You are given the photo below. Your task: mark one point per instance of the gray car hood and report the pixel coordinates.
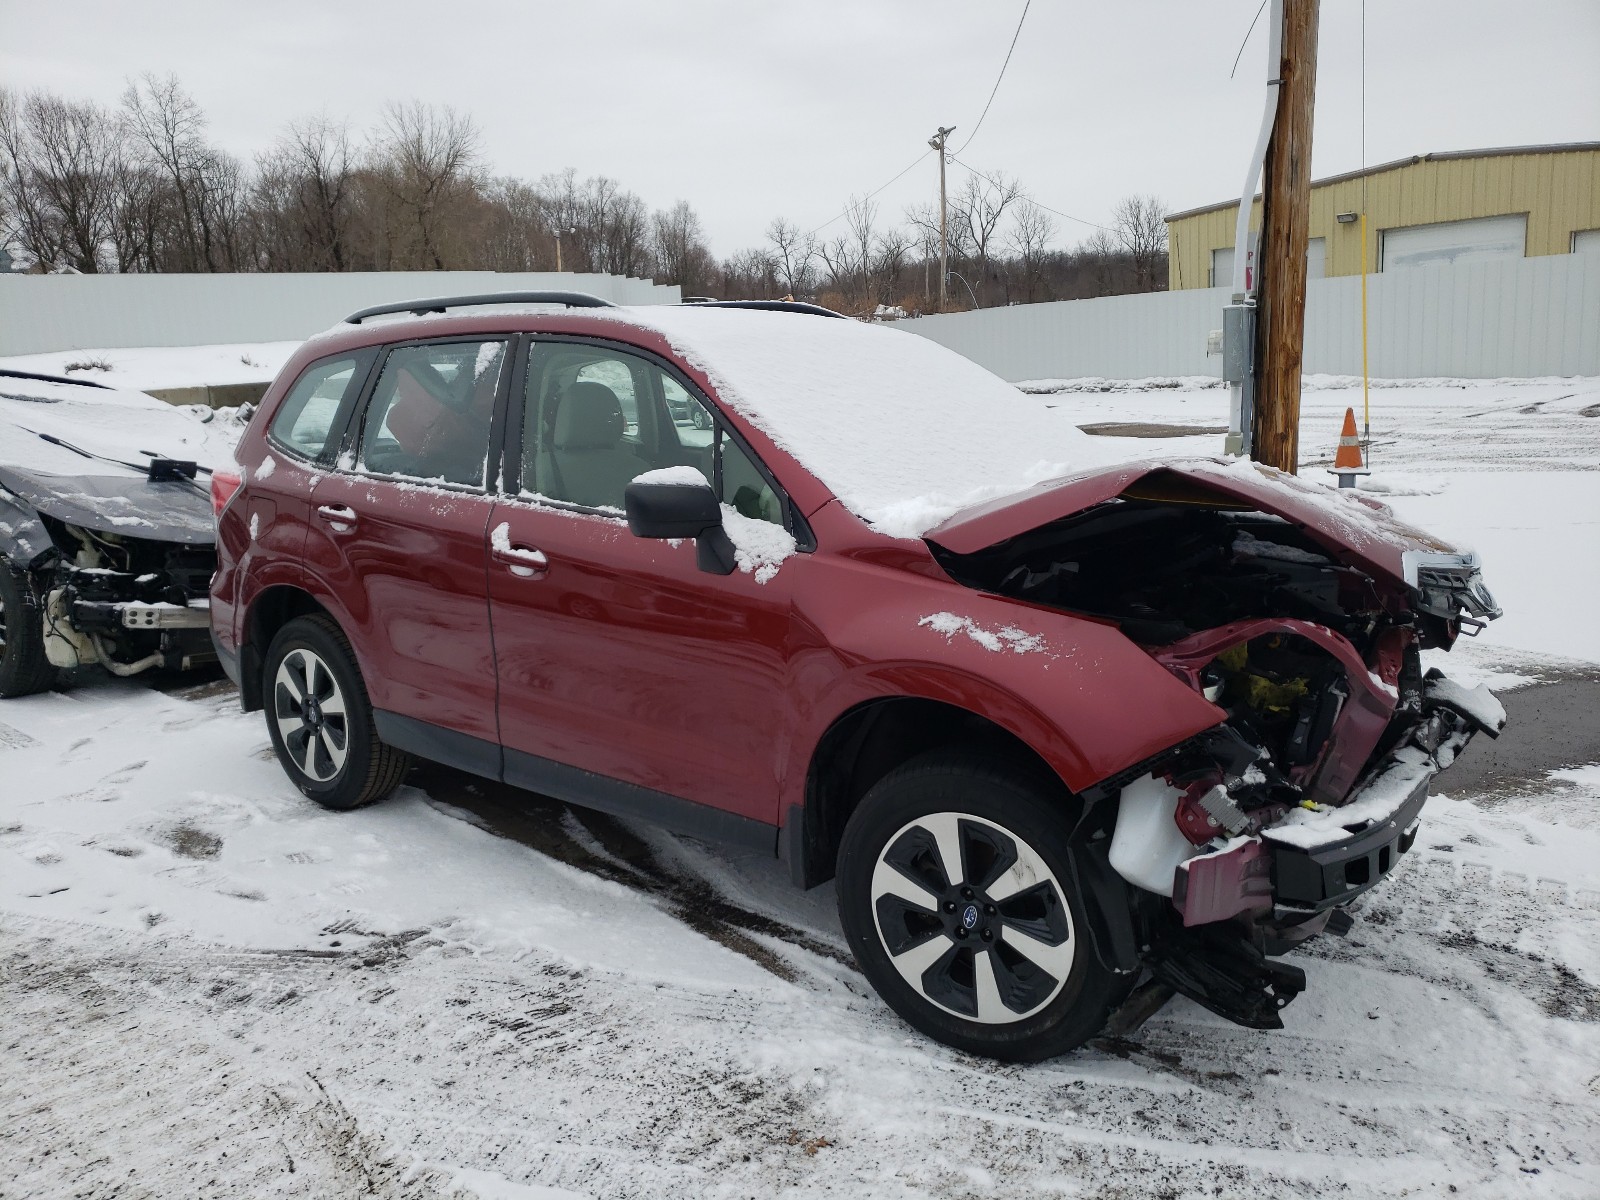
(83, 482)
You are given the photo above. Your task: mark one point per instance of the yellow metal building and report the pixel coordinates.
(1453, 207)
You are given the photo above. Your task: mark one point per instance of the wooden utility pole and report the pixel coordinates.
(937, 141)
(1281, 260)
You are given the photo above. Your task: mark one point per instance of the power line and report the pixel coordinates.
(871, 194)
(1247, 34)
(996, 88)
(1030, 199)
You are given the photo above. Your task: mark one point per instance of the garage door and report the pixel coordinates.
(1222, 262)
(1454, 242)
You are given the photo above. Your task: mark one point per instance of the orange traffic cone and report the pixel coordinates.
(1347, 459)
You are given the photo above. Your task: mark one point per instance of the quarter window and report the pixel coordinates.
(430, 412)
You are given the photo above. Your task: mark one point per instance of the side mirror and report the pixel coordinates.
(677, 502)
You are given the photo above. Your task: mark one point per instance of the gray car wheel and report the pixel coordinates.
(24, 669)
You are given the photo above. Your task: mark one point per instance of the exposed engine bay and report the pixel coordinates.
(1257, 831)
(124, 603)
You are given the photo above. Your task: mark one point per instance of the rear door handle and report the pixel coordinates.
(341, 516)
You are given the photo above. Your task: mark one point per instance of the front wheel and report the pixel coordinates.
(953, 892)
(24, 668)
(320, 720)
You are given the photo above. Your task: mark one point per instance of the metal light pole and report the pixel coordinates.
(937, 141)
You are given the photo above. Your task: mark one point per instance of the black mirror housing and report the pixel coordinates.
(671, 510)
(681, 510)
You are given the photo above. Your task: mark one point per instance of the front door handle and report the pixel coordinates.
(522, 560)
(341, 516)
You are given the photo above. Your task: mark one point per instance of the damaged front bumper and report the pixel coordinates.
(1313, 861)
(1241, 899)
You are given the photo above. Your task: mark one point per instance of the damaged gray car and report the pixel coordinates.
(107, 539)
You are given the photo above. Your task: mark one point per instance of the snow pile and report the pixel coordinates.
(1477, 704)
(1410, 769)
(1008, 637)
(142, 367)
(903, 431)
(676, 476)
(1095, 383)
(758, 546)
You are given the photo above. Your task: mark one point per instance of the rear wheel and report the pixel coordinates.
(320, 720)
(24, 669)
(953, 891)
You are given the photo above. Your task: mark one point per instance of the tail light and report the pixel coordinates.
(223, 485)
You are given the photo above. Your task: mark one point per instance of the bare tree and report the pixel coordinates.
(1031, 232)
(312, 170)
(890, 250)
(166, 129)
(1101, 252)
(750, 275)
(976, 210)
(60, 169)
(1141, 226)
(681, 255)
(425, 157)
(793, 255)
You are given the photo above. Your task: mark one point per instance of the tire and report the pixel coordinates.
(930, 947)
(329, 748)
(24, 669)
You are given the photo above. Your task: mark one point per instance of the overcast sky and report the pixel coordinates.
(752, 110)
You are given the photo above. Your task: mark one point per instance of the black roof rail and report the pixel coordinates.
(7, 371)
(419, 308)
(792, 306)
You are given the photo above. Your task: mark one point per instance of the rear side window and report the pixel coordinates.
(309, 417)
(430, 411)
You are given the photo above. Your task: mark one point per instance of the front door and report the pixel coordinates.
(616, 655)
(398, 541)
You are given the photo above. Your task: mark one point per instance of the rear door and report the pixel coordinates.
(398, 544)
(618, 659)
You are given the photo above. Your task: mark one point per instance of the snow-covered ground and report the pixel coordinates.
(143, 367)
(212, 987)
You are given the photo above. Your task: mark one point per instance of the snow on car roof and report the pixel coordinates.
(903, 431)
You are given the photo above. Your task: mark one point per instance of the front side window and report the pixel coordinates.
(430, 412)
(596, 418)
(308, 417)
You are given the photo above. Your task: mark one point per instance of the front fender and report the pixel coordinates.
(1084, 697)
(23, 538)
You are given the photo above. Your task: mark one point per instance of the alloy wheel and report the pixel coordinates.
(309, 708)
(972, 918)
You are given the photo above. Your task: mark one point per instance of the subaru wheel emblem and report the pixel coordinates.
(969, 917)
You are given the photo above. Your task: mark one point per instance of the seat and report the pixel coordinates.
(439, 441)
(588, 464)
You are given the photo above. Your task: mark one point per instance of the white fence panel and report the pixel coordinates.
(1512, 318)
(76, 312)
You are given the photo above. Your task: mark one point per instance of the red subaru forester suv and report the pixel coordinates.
(767, 576)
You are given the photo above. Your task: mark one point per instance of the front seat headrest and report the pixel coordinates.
(589, 418)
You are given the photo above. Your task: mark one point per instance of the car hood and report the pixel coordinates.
(79, 453)
(128, 505)
(1356, 528)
